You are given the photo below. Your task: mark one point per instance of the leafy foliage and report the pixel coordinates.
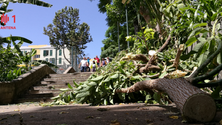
(10, 57)
(116, 18)
(34, 2)
(100, 87)
(66, 31)
(187, 22)
(195, 23)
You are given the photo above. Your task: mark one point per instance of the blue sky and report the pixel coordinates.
(30, 20)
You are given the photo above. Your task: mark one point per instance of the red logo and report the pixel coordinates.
(5, 19)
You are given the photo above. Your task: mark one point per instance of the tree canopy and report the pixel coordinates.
(116, 17)
(66, 30)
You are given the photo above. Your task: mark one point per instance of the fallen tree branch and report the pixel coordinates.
(179, 51)
(139, 57)
(141, 65)
(191, 101)
(165, 44)
(210, 84)
(150, 68)
(146, 68)
(153, 76)
(219, 49)
(207, 75)
(134, 62)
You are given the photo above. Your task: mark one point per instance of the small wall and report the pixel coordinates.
(69, 70)
(12, 89)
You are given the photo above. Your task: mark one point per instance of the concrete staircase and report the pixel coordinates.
(50, 87)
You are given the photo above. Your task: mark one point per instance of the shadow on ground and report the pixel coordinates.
(123, 114)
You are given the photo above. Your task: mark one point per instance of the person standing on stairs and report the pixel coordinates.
(97, 59)
(83, 64)
(88, 69)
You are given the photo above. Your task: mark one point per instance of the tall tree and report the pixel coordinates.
(66, 31)
(116, 16)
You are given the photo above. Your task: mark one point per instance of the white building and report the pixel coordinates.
(48, 53)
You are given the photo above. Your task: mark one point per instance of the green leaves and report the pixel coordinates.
(11, 58)
(199, 25)
(216, 92)
(101, 87)
(115, 76)
(67, 31)
(97, 79)
(34, 2)
(191, 41)
(83, 94)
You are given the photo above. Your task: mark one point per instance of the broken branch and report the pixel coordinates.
(208, 75)
(207, 61)
(179, 51)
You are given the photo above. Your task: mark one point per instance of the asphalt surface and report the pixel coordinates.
(121, 114)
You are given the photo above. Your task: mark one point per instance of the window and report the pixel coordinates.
(25, 52)
(50, 52)
(60, 52)
(52, 60)
(37, 56)
(46, 59)
(45, 53)
(60, 60)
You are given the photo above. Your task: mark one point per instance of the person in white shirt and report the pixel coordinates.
(107, 60)
(83, 64)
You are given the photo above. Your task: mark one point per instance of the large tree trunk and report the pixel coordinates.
(193, 103)
(65, 55)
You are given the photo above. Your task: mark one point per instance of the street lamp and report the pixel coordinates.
(118, 35)
(56, 57)
(127, 29)
(74, 62)
(75, 59)
(72, 55)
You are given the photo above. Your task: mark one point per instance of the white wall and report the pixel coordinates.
(42, 57)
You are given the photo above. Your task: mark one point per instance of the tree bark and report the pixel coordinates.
(194, 104)
(65, 55)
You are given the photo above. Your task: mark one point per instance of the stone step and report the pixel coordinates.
(48, 87)
(42, 95)
(59, 84)
(62, 82)
(64, 79)
(23, 100)
(87, 74)
(45, 83)
(43, 91)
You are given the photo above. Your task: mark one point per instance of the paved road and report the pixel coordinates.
(122, 114)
